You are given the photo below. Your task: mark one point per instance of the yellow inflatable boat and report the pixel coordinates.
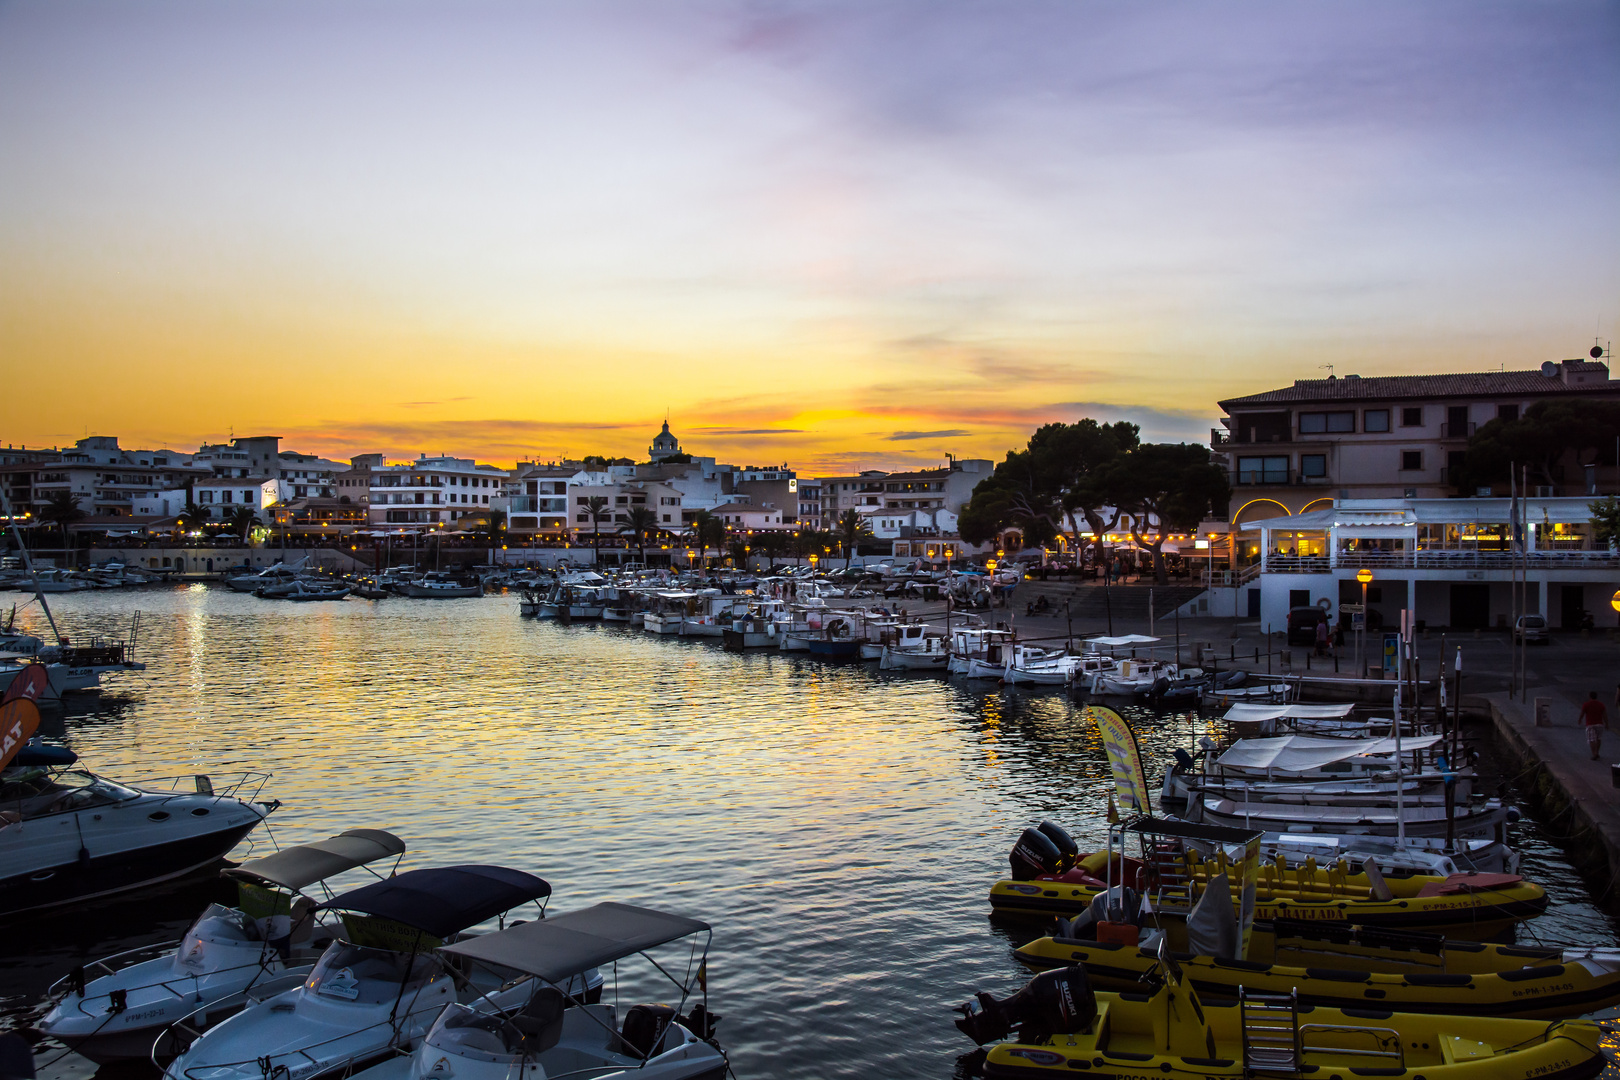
(1065, 1029)
(1347, 967)
(1048, 881)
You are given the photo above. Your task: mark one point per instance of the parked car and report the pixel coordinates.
(1531, 629)
(1302, 623)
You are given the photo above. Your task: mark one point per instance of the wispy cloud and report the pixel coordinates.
(749, 431)
(942, 433)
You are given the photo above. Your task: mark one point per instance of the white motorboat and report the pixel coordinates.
(438, 586)
(914, 647)
(1395, 858)
(1133, 677)
(1480, 820)
(979, 653)
(303, 592)
(279, 574)
(115, 1008)
(1031, 665)
(68, 835)
(377, 991)
(550, 1033)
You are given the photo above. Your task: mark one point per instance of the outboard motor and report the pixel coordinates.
(1184, 761)
(1156, 691)
(1063, 842)
(1045, 849)
(1056, 1002)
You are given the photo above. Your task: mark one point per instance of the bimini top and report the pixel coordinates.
(556, 948)
(1259, 714)
(1192, 830)
(443, 899)
(1124, 639)
(1302, 753)
(308, 863)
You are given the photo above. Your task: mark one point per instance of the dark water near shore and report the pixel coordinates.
(838, 827)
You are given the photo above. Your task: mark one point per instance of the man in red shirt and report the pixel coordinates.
(1596, 718)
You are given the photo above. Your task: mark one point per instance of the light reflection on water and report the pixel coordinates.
(838, 827)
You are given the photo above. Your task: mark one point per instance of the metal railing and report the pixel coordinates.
(1441, 559)
(1456, 431)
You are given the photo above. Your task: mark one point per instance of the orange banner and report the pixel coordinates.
(19, 719)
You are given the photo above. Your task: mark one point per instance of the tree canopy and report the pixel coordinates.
(1058, 481)
(1163, 488)
(1546, 437)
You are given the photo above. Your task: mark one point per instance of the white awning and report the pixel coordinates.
(1302, 753)
(1260, 714)
(1128, 639)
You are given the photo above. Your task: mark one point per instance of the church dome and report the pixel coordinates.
(663, 445)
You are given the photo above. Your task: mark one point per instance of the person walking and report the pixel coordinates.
(1595, 718)
(1322, 637)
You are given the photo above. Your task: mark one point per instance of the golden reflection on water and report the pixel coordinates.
(838, 827)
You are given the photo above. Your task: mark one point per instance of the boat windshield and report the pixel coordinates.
(370, 976)
(468, 1033)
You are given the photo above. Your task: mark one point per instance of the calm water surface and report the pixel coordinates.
(838, 827)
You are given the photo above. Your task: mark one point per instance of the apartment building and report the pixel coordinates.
(1301, 447)
(353, 485)
(433, 491)
(541, 502)
(108, 480)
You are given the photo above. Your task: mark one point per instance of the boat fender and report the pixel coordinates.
(1033, 855)
(1057, 1002)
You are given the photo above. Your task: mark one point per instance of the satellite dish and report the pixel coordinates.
(1549, 369)
(1597, 351)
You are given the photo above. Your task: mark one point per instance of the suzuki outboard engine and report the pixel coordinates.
(1056, 1002)
(1046, 849)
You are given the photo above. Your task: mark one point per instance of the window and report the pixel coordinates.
(1318, 423)
(1412, 416)
(1262, 470)
(584, 517)
(1508, 413)
(1411, 460)
(1313, 465)
(1375, 420)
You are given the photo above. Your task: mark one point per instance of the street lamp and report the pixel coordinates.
(1364, 576)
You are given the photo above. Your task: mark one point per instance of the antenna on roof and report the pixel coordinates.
(1329, 369)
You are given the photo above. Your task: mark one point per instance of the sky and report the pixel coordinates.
(838, 235)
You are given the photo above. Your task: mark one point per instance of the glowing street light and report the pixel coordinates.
(1364, 576)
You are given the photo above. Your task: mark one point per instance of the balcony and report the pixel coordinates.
(1219, 437)
(1457, 431)
(1441, 559)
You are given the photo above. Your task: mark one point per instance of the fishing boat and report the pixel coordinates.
(115, 1008)
(304, 592)
(667, 611)
(835, 640)
(914, 647)
(437, 586)
(1065, 1028)
(549, 1032)
(378, 989)
(1031, 665)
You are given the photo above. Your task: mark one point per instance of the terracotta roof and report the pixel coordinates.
(1469, 384)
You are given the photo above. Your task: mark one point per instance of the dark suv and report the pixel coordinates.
(1302, 623)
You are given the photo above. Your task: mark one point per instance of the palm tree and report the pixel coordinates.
(242, 520)
(494, 525)
(852, 529)
(62, 510)
(192, 516)
(700, 529)
(642, 525)
(597, 507)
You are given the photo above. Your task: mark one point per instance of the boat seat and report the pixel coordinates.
(539, 1024)
(644, 1028)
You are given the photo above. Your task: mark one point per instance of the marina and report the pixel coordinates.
(778, 797)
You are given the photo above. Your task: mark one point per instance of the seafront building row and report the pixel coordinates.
(1329, 477)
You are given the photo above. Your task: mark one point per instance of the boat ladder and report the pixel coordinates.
(1169, 875)
(1270, 1025)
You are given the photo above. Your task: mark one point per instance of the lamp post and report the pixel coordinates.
(1363, 575)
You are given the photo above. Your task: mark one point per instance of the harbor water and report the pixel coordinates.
(838, 827)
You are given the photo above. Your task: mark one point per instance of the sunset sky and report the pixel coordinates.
(837, 235)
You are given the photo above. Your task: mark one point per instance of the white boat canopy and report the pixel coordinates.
(557, 948)
(1302, 753)
(308, 863)
(1261, 714)
(1126, 639)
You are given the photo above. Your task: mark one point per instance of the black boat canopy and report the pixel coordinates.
(308, 863)
(557, 948)
(1189, 830)
(441, 900)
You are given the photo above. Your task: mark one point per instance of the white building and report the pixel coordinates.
(437, 490)
(110, 482)
(745, 517)
(1448, 559)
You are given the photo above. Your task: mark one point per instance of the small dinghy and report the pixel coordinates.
(115, 1008)
(378, 989)
(551, 1032)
